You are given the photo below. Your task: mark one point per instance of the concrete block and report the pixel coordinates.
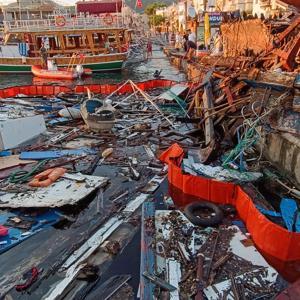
(14, 132)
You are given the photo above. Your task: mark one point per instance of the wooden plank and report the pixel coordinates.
(229, 97)
(208, 106)
(12, 161)
(147, 253)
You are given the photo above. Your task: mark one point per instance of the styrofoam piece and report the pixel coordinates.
(70, 112)
(14, 132)
(249, 253)
(177, 89)
(62, 192)
(174, 277)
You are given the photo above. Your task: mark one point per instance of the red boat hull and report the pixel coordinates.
(61, 73)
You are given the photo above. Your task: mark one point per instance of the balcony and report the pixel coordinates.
(63, 22)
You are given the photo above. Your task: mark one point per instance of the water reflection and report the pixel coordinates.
(136, 72)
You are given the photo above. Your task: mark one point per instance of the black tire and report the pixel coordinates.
(191, 209)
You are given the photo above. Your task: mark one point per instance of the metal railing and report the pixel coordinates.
(65, 23)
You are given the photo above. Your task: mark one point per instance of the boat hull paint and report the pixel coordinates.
(95, 67)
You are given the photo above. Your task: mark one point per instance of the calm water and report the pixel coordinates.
(137, 72)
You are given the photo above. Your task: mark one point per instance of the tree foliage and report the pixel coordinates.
(151, 8)
(158, 20)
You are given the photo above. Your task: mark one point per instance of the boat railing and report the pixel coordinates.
(63, 23)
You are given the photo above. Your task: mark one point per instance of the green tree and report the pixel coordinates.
(151, 8)
(155, 20)
(158, 20)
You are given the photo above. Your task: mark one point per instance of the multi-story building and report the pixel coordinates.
(258, 7)
(268, 7)
(29, 9)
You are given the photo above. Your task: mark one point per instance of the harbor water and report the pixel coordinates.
(136, 72)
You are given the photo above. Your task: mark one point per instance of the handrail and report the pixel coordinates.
(77, 22)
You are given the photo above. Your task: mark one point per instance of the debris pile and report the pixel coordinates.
(211, 263)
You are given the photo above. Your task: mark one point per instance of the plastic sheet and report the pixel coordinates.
(269, 237)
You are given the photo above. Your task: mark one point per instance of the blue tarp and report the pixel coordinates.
(288, 212)
(16, 235)
(58, 120)
(266, 212)
(40, 155)
(5, 153)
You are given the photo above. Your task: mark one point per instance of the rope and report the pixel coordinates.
(22, 176)
(250, 137)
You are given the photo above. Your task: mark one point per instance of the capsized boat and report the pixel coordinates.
(98, 115)
(60, 73)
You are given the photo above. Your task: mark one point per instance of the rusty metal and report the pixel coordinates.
(234, 288)
(221, 261)
(208, 270)
(199, 277)
(159, 282)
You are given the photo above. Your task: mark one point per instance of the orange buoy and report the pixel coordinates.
(47, 177)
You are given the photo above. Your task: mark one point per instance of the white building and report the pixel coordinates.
(30, 9)
(258, 7)
(268, 7)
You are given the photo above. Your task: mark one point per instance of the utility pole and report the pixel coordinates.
(185, 14)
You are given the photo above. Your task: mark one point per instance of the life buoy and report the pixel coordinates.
(47, 177)
(60, 21)
(108, 19)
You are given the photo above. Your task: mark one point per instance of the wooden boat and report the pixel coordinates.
(104, 44)
(295, 3)
(60, 73)
(98, 115)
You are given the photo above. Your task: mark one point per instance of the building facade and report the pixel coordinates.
(30, 9)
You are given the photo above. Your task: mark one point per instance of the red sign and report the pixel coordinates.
(139, 3)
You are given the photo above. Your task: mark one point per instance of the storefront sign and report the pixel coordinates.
(215, 18)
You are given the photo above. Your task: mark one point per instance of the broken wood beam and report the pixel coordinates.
(208, 104)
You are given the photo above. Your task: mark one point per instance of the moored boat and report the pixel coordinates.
(104, 44)
(59, 73)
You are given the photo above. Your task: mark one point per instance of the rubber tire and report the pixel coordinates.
(190, 210)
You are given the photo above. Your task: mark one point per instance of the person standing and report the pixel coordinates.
(192, 36)
(185, 40)
(149, 49)
(217, 40)
(178, 41)
(44, 56)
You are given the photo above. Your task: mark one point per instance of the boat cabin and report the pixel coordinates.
(66, 37)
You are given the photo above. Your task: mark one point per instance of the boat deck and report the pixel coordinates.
(63, 23)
